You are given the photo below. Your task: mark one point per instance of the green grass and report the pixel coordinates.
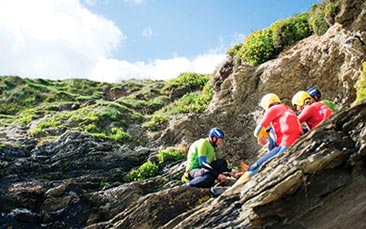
(95, 119)
(193, 102)
(152, 169)
(186, 81)
(103, 110)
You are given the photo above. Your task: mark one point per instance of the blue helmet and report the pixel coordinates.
(216, 132)
(314, 92)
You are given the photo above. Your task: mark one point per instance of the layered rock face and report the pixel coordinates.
(75, 181)
(319, 183)
(332, 63)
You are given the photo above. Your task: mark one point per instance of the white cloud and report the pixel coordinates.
(56, 39)
(112, 70)
(147, 32)
(52, 38)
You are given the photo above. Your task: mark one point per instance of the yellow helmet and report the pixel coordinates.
(300, 98)
(269, 99)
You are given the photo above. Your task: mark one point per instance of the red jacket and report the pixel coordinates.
(314, 114)
(285, 124)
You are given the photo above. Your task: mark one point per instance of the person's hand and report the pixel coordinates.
(262, 141)
(234, 172)
(221, 177)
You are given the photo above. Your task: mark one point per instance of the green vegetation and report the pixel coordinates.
(95, 119)
(234, 50)
(361, 86)
(322, 15)
(169, 155)
(258, 47)
(189, 92)
(185, 82)
(103, 110)
(288, 31)
(104, 184)
(263, 45)
(146, 170)
(145, 98)
(266, 44)
(18, 94)
(151, 169)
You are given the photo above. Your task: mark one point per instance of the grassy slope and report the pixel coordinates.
(105, 110)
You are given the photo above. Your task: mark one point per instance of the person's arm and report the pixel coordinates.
(202, 158)
(260, 131)
(305, 114)
(203, 163)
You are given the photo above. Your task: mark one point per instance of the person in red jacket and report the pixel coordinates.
(285, 125)
(311, 113)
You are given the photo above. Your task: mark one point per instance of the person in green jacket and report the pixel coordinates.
(316, 95)
(203, 168)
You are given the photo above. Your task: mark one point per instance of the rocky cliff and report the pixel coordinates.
(75, 181)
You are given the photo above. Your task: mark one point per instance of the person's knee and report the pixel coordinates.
(253, 167)
(204, 181)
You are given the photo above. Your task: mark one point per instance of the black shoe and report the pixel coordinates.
(216, 191)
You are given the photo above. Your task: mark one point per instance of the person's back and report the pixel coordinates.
(284, 122)
(316, 95)
(314, 114)
(285, 125)
(330, 104)
(201, 147)
(203, 168)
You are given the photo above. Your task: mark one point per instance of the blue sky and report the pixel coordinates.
(113, 40)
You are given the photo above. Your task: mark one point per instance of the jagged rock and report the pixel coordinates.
(75, 181)
(56, 191)
(156, 209)
(16, 136)
(51, 181)
(56, 203)
(223, 72)
(332, 63)
(317, 183)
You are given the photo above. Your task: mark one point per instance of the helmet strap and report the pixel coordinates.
(212, 141)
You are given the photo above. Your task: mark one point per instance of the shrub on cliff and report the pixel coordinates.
(151, 168)
(322, 15)
(258, 47)
(361, 86)
(266, 44)
(288, 31)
